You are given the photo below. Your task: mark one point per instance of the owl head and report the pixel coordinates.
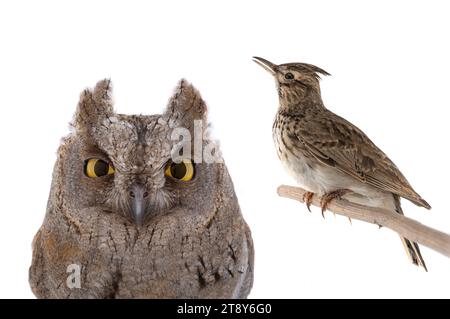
(135, 166)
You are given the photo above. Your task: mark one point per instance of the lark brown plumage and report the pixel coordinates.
(327, 154)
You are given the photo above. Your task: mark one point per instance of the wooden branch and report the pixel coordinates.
(404, 226)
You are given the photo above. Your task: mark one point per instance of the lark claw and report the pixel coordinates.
(350, 220)
(327, 198)
(307, 198)
(324, 203)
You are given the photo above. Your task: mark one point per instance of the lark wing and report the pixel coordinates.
(338, 143)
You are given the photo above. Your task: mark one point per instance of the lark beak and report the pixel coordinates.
(267, 65)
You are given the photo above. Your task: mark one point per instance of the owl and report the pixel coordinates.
(132, 214)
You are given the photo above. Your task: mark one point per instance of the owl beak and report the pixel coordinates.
(267, 65)
(139, 203)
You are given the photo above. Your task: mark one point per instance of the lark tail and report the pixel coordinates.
(411, 248)
(413, 252)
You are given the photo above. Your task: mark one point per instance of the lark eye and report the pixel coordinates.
(289, 76)
(183, 171)
(95, 167)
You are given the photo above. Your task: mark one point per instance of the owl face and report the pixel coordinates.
(125, 163)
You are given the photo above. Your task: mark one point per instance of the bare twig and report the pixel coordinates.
(404, 226)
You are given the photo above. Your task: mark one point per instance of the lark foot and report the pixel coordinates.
(327, 198)
(307, 198)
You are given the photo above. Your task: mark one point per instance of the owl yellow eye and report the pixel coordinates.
(95, 167)
(183, 171)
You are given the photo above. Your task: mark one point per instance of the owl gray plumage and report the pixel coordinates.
(136, 232)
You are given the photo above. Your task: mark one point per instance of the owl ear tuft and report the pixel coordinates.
(185, 106)
(94, 106)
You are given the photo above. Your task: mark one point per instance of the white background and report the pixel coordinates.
(390, 67)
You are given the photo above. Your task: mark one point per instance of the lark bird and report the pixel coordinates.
(328, 155)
